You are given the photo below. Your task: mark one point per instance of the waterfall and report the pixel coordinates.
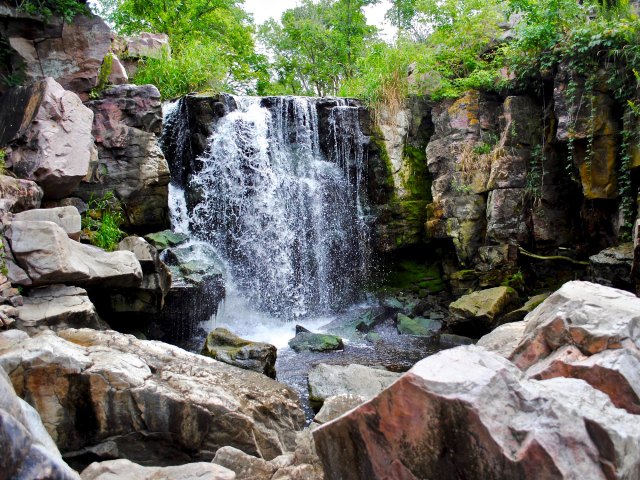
(280, 193)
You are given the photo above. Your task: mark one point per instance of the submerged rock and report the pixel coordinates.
(226, 347)
(420, 326)
(315, 342)
(327, 381)
(469, 413)
(148, 402)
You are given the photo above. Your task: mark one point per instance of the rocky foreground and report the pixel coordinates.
(555, 396)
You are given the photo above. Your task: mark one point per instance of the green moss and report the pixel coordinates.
(413, 275)
(377, 140)
(418, 183)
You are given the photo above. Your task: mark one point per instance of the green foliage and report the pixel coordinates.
(211, 42)
(101, 222)
(103, 77)
(515, 281)
(317, 45)
(193, 68)
(3, 159)
(3, 263)
(67, 9)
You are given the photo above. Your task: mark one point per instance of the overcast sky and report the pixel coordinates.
(264, 9)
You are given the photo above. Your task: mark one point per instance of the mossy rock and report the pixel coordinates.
(419, 326)
(315, 342)
(224, 346)
(528, 307)
(486, 306)
(166, 239)
(409, 275)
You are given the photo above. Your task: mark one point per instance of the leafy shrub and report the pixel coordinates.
(101, 222)
(67, 9)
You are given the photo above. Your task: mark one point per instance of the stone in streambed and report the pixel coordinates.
(224, 346)
(306, 341)
(338, 405)
(166, 239)
(419, 326)
(326, 381)
(485, 306)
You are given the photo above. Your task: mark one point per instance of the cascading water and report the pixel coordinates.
(286, 214)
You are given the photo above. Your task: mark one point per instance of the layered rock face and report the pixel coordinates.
(565, 406)
(129, 163)
(110, 395)
(69, 52)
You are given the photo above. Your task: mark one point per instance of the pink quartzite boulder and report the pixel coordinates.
(469, 413)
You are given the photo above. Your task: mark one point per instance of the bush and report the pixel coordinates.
(195, 67)
(67, 9)
(101, 222)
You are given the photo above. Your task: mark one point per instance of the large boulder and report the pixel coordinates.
(125, 470)
(57, 307)
(50, 136)
(110, 395)
(68, 218)
(28, 452)
(130, 164)
(327, 381)
(46, 253)
(469, 413)
(612, 267)
(226, 347)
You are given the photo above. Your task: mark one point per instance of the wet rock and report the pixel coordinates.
(417, 326)
(118, 75)
(57, 307)
(330, 380)
(315, 342)
(46, 253)
(612, 267)
(450, 340)
(130, 163)
(192, 298)
(399, 225)
(486, 306)
(470, 413)
(126, 470)
(166, 239)
(52, 142)
(17, 195)
(506, 216)
(224, 346)
(334, 407)
(151, 403)
(28, 452)
(67, 218)
(245, 467)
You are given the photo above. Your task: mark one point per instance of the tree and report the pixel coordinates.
(317, 45)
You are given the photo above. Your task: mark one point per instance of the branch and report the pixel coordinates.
(553, 257)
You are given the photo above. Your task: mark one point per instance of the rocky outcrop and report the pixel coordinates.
(28, 452)
(126, 470)
(133, 49)
(111, 395)
(130, 163)
(470, 413)
(57, 307)
(49, 135)
(69, 52)
(327, 381)
(46, 253)
(224, 346)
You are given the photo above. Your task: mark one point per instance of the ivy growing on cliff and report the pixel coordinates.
(67, 9)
